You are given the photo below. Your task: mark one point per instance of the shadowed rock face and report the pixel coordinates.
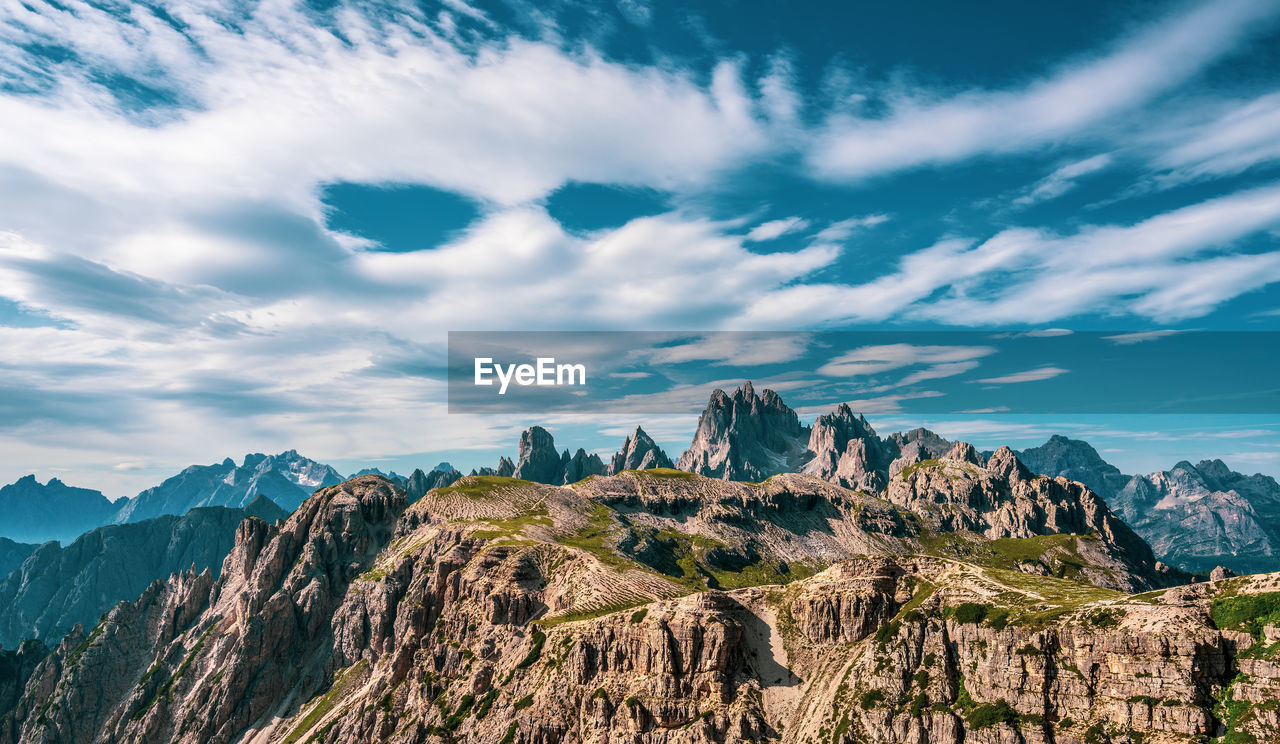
(12, 554)
(419, 482)
(56, 588)
(746, 437)
(33, 512)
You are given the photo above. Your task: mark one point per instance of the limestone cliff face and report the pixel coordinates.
(1204, 515)
(540, 463)
(847, 451)
(746, 437)
(639, 452)
(504, 611)
(1002, 499)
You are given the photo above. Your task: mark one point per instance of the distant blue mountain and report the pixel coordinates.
(287, 479)
(35, 512)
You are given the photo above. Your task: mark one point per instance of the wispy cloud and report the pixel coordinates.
(925, 129)
(1030, 375)
(776, 228)
(1063, 179)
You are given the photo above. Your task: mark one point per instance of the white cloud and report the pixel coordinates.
(1125, 339)
(776, 228)
(1168, 267)
(1030, 375)
(870, 360)
(923, 129)
(1244, 135)
(1063, 179)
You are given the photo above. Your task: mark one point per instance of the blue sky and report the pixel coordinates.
(235, 226)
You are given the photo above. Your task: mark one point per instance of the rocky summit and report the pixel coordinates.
(745, 436)
(286, 479)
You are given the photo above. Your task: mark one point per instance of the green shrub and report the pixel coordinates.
(918, 705)
(510, 736)
(987, 715)
(1248, 612)
(998, 618)
(539, 638)
(870, 698)
(971, 613)
(639, 614)
(524, 702)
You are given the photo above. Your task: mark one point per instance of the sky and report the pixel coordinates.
(232, 226)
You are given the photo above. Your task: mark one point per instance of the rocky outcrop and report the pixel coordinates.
(419, 482)
(506, 468)
(34, 512)
(12, 554)
(57, 588)
(1201, 516)
(540, 463)
(1076, 460)
(581, 465)
(1002, 499)
(286, 479)
(846, 450)
(639, 452)
(746, 437)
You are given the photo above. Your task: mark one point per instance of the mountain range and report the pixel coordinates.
(1195, 517)
(791, 583)
(663, 606)
(55, 588)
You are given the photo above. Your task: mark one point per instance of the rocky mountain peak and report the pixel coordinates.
(964, 452)
(1006, 465)
(746, 437)
(846, 450)
(538, 459)
(639, 452)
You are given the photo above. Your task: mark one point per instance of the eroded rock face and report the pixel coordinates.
(639, 452)
(419, 482)
(1200, 516)
(746, 437)
(358, 620)
(1076, 460)
(1001, 499)
(847, 451)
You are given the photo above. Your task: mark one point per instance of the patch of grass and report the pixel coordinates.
(337, 692)
(870, 698)
(539, 638)
(510, 736)
(971, 613)
(524, 702)
(639, 615)
(594, 538)
(481, 486)
(910, 470)
(1247, 612)
(665, 473)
